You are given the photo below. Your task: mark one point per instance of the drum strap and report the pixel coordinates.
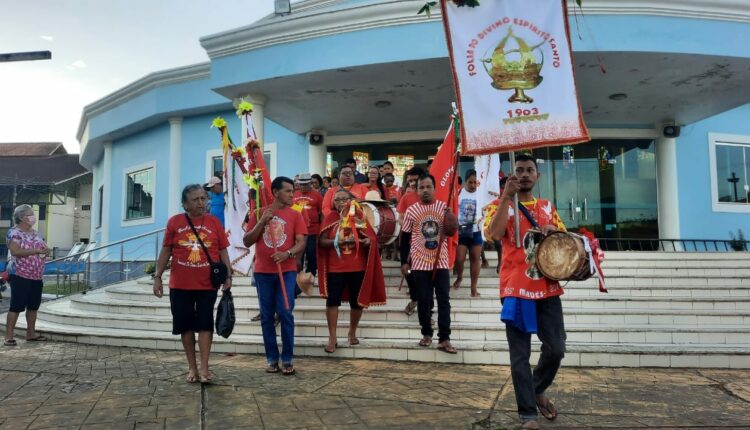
(528, 215)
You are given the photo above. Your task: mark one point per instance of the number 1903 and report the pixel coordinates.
(522, 112)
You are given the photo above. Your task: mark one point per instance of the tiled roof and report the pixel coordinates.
(31, 149)
(39, 170)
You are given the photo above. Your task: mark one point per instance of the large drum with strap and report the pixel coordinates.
(562, 256)
(383, 218)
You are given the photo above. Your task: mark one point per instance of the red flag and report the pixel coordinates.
(256, 162)
(446, 182)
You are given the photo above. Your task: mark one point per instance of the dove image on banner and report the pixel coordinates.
(513, 75)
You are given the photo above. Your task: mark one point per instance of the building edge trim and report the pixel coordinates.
(322, 22)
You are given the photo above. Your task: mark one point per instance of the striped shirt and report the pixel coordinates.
(425, 223)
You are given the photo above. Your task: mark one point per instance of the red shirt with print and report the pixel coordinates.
(281, 230)
(350, 260)
(357, 190)
(190, 268)
(311, 203)
(425, 223)
(393, 192)
(517, 277)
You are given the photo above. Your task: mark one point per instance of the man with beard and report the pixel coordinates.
(531, 303)
(424, 256)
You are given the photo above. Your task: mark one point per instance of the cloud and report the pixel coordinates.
(79, 64)
(47, 38)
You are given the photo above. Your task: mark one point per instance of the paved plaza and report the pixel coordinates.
(65, 385)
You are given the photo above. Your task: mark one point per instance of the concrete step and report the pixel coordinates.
(63, 313)
(470, 352)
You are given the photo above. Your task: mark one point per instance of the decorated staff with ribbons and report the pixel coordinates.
(513, 76)
(349, 265)
(280, 236)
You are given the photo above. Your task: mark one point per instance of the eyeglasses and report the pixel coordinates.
(342, 199)
(347, 173)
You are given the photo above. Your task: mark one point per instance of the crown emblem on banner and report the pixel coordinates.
(515, 67)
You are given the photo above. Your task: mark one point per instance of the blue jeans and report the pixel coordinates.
(271, 302)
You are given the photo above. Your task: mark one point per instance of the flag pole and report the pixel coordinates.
(516, 218)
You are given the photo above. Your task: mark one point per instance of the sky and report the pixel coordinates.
(98, 46)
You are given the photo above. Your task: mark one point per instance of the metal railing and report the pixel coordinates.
(103, 265)
(673, 245)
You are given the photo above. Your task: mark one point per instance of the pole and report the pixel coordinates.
(516, 218)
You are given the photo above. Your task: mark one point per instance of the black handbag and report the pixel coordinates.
(219, 271)
(225, 315)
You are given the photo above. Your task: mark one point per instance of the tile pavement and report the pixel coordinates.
(67, 385)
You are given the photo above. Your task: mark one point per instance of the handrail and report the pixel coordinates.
(107, 245)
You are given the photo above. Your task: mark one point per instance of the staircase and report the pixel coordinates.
(663, 310)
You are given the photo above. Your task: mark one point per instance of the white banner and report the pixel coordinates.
(488, 181)
(235, 211)
(513, 75)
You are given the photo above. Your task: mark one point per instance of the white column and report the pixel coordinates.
(175, 162)
(108, 192)
(667, 188)
(258, 117)
(316, 157)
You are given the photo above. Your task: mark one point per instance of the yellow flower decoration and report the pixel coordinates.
(244, 107)
(218, 122)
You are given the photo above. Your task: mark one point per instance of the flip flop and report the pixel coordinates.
(191, 379)
(206, 379)
(425, 342)
(273, 368)
(353, 341)
(447, 348)
(410, 308)
(288, 370)
(38, 338)
(547, 409)
(10, 342)
(331, 351)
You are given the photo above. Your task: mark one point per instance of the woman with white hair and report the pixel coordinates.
(26, 267)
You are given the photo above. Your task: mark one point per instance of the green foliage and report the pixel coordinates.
(738, 243)
(427, 8)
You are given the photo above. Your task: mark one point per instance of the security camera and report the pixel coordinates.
(671, 131)
(316, 137)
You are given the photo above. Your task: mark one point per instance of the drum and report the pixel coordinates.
(384, 220)
(561, 256)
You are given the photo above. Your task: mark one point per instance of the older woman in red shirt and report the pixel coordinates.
(191, 294)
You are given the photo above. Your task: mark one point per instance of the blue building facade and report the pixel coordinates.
(373, 77)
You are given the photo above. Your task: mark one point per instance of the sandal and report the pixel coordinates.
(10, 342)
(447, 347)
(255, 318)
(288, 370)
(410, 308)
(546, 407)
(37, 338)
(426, 341)
(329, 350)
(353, 341)
(273, 368)
(191, 379)
(207, 379)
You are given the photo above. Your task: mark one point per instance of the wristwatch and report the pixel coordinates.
(290, 254)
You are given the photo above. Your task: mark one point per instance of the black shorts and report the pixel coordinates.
(192, 310)
(336, 284)
(25, 294)
(476, 240)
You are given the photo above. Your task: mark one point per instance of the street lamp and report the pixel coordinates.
(25, 56)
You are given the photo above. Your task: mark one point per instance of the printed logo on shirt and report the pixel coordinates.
(274, 235)
(468, 210)
(430, 229)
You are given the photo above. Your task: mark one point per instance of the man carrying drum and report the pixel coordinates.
(531, 303)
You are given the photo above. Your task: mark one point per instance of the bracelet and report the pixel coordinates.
(290, 254)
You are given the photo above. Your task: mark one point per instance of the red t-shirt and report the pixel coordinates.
(190, 269)
(311, 204)
(393, 192)
(350, 260)
(406, 201)
(281, 229)
(357, 190)
(517, 277)
(425, 223)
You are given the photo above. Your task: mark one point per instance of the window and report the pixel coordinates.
(217, 166)
(139, 194)
(730, 165)
(99, 206)
(6, 213)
